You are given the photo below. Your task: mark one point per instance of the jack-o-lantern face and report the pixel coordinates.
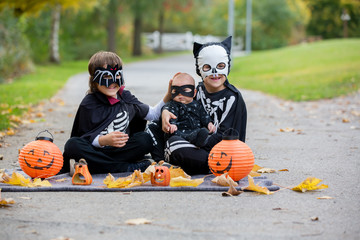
(223, 165)
(39, 162)
(40, 158)
(233, 157)
(161, 177)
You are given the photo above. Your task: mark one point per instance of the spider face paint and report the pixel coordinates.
(185, 90)
(108, 76)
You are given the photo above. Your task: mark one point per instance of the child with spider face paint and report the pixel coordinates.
(192, 123)
(108, 130)
(221, 100)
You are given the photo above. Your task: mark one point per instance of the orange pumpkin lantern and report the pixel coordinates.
(41, 158)
(82, 175)
(161, 177)
(231, 156)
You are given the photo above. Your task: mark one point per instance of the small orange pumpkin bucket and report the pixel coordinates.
(41, 158)
(82, 175)
(231, 156)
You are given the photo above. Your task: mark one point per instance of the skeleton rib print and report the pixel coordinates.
(120, 124)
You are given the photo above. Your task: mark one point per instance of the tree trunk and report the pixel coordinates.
(112, 23)
(161, 30)
(54, 38)
(137, 35)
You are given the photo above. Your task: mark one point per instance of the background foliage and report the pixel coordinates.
(87, 26)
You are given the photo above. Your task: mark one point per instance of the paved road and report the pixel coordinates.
(324, 144)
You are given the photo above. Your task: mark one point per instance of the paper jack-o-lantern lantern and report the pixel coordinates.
(161, 177)
(41, 158)
(231, 156)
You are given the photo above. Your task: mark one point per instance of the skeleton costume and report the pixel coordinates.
(192, 119)
(226, 108)
(99, 115)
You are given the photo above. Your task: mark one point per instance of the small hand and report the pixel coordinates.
(114, 139)
(211, 127)
(165, 118)
(173, 128)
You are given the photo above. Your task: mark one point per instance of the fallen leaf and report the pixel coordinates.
(314, 219)
(283, 170)
(6, 201)
(256, 167)
(133, 180)
(178, 172)
(37, 182)
(10, 132)
(325, 197)
(254, 174)
(224, 180)
(138, 221)
(19, 180)
(266, 170)
(232, 190)
(287, 129)
(26, 198)
(61, 180)
(256, 188)
(184, 182)
(278, 209)
(345, 120)
(309, 184)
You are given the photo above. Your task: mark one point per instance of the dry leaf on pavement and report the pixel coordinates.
(138, 221)
(309, 184)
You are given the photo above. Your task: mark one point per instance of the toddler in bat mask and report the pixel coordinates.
(192, 122)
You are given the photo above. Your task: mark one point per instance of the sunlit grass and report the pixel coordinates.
(313, 71)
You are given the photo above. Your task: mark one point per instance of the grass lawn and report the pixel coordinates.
(303, 72)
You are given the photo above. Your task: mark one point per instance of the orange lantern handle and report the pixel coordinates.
(45, 138)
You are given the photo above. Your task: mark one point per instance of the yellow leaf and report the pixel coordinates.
(18, 179)
(133, 180)
(178, 172)
(256, 188)
(256, 167)
(6, 201)
(38, 183)
(184, 182)
(10, 132)
(254, 174)
(309, 184)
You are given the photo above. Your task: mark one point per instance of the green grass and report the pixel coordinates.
(17, 97)
(304, 72)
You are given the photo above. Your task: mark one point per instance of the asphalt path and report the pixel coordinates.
(319, 139)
